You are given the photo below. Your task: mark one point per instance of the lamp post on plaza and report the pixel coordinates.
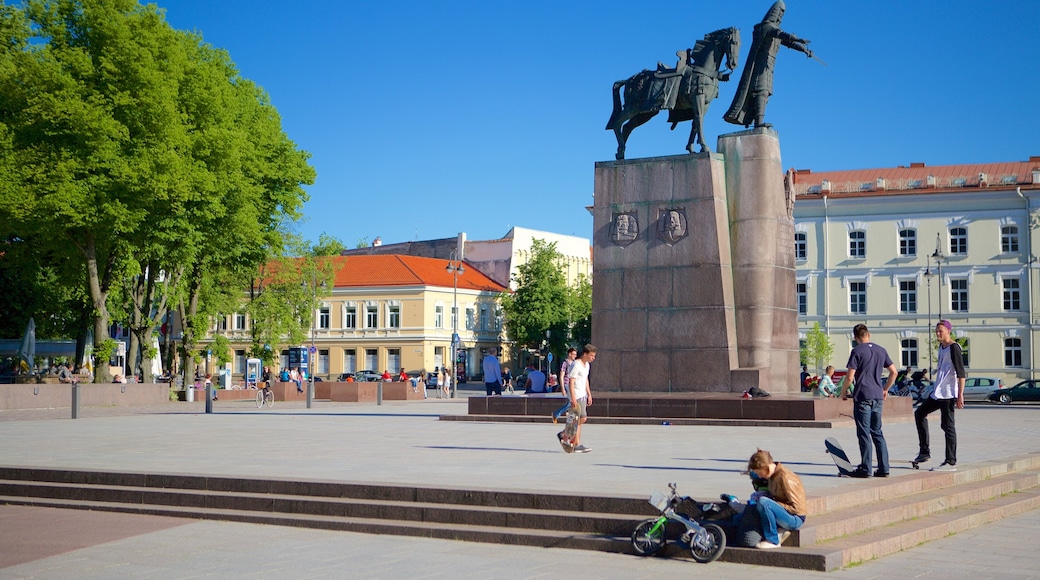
(455, 267)
(939, 256)
(928, 329)
(312, 353)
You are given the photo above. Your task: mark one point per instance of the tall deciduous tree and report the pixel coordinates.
(541, 302)
(140, 150)
(818, 349)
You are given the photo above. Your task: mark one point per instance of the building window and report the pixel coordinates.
(959, 294)
(800, 246)
(284, 359)
(1009, 239)
(470, 318)
(323, 362)
(438, 357)
(858, 244)
(438, 317)
(857, 297)
(221, 322)
(907, 296)
(240, 321)
(350, 317)
(803, 300)
(485, 319)
(1013, 352)
(240, 362)
(393, 360)
(395, 317)
(908, 352)
(965, 344)
(907, 243)
(371, 317)
(324, 318)
(958, 241)
(371, 359)
(454, 317)
(1012, 294)
(350, 361)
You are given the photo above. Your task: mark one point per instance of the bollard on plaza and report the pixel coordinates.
(209, 398)
(310, 392)
(379, 393)
(75, 400)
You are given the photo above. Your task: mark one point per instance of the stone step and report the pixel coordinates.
(500, 498)
(449, 531)
(872, 491)
(828, 526)
(413, 511)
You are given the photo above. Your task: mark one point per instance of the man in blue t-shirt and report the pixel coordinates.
(865, 365)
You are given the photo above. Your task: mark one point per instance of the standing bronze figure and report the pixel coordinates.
(684, 91)
(756, 82)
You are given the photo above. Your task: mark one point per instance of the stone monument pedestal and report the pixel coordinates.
(694, 262)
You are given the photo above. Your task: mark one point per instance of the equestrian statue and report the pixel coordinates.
(685, 91)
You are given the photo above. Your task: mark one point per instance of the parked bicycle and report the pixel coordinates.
(265, 395)
(706, 541)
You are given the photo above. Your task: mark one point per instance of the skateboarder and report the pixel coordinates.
(579, 392)
(865, 365)
(947, 395)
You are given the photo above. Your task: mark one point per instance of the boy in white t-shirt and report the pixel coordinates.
(579, 391)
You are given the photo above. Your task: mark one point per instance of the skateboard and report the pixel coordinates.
(841, 461)
(567, 435)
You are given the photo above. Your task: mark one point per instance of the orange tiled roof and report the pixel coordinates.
(916, 176)
(400, 270)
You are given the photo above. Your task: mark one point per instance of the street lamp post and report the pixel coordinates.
(455, 267)
(928, 329)
(939, 256)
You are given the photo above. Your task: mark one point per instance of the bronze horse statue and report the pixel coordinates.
(685, 91)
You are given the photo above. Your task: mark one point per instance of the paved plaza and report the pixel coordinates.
(405, 443)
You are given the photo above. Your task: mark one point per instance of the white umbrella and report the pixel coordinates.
(27, 352)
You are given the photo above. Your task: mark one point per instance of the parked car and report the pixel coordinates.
(342, 378)
(979, 388)
(368, 376)
(1027, 390)
(432, 380)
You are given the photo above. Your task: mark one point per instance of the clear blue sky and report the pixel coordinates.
(429, 118)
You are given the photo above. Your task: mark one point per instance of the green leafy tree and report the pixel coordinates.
(818, 349)
(542, 301)
(140, 152)
(581, 312)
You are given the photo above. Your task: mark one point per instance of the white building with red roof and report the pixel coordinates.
(899, 248)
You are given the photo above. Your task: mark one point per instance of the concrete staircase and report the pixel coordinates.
(853, 523)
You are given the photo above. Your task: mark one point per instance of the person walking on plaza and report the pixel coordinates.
(580, 393)
(492, 373)
(865, 365)
(445, 382)
(783, 507)
(572, 353)
(947, 395)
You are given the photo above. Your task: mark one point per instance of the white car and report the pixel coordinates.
(979, 388)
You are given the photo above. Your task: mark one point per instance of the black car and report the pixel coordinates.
(1027, 390)
(342, 378)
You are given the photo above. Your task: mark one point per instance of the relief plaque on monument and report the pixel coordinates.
(671, 225)
(625, 228)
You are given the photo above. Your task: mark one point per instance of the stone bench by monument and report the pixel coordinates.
(352, 392)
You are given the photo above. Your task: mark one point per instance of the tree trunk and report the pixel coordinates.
(99, 300)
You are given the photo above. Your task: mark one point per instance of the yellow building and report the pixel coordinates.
(388, 312)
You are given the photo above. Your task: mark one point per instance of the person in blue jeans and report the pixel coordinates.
(782, 508)
(865, 365)
(572, 353)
